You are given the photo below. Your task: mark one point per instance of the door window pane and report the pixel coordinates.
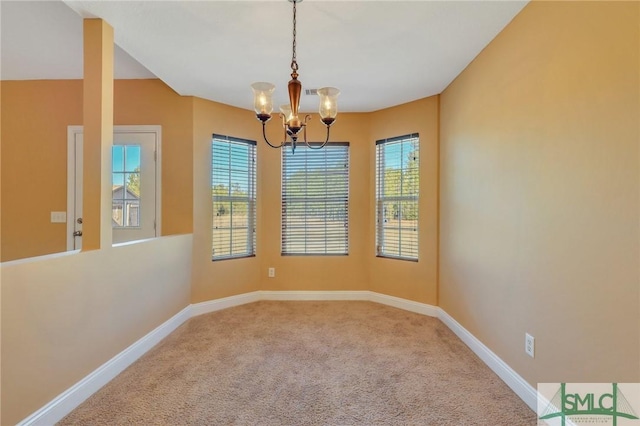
(125, 189)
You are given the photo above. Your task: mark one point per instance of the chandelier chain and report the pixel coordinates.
(294, 62)
(295, 129)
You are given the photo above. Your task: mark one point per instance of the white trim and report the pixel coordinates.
(72, 131)
(364, 295)
(157, 130)
(68, 400)
(407, 305)
(224, 303)
(355, 295)
(521, 387)
(314, 295)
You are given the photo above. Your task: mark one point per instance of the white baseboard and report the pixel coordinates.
(224, 303)
(407, 305)
(314, 295)
(363, 295)
(68, 400)
(521, 387)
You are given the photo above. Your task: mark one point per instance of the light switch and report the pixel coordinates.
(58, 217)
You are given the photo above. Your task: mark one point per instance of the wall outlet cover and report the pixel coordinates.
(529, 345)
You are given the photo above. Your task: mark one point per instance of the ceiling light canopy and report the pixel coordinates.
(291, 123)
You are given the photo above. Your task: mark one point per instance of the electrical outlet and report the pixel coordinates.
(529, 344)
(272, 272)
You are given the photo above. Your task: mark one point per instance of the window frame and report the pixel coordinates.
(287, 200)
(250, 198)
(380, 198)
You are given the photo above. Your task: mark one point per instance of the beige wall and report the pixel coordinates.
(539, 193)
(35, 116)
(410, 280)
(65, 316)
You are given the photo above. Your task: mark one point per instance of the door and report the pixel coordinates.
(134, 183)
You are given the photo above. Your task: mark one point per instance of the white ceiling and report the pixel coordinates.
(42, 40)
(379, 53)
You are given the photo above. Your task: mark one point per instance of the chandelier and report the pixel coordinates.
(291, 123)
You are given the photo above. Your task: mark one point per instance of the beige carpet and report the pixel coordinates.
(307, 363)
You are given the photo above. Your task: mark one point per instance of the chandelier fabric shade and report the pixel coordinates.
(292, 124)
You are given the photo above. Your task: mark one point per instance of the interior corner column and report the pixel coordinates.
(98, 134)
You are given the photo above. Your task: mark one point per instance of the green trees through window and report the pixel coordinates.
(397, 193)
(233, 193)
(315, 200)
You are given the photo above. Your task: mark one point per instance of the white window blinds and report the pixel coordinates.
(315, 200)
(233, 191)
(397, 190)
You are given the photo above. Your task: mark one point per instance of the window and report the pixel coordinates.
(233, 190)
(397, 188)
(315, 200)
(125, 189)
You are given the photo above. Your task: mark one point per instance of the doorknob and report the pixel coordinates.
(79, 220)
(77, 233)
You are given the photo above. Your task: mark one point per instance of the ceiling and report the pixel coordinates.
(379, 53)
(42, 40)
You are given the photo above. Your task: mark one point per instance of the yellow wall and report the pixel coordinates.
(35, 116)
(225, 278)
(539, 193)
(97, 142)
(184, 119)
(316, 272)
(416, 281)
(213, 280)
(538, 211)
(153, 102)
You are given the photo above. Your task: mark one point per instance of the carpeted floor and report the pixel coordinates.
(307, 363)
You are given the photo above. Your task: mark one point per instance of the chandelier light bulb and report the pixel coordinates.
(262, 99)
(328, 104)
